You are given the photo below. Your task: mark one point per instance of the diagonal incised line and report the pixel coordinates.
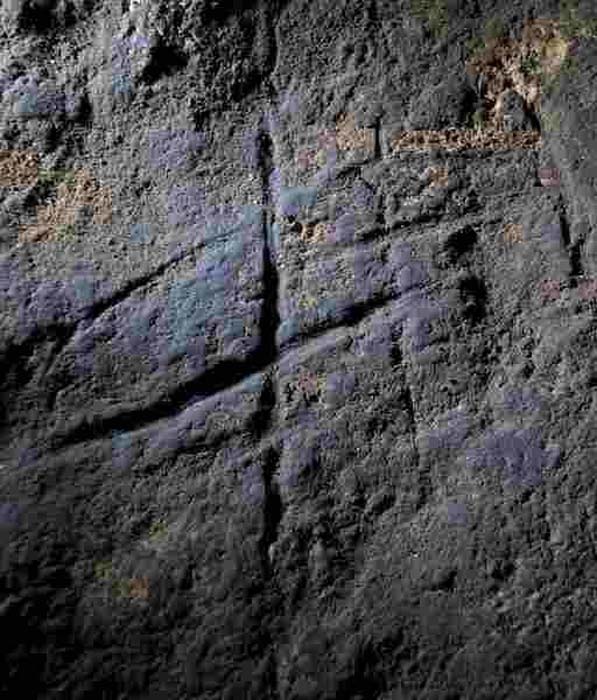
(63, 333)
(226, 376)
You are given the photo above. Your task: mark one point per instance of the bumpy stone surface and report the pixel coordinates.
(297, 355)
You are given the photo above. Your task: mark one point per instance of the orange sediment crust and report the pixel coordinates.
(350, 137)
(18, 168)
(466, 139)
(64, 210)
(520, 66)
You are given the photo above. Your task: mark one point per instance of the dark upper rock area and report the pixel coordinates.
(298, 349)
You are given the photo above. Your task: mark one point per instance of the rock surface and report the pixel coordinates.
(288, 411)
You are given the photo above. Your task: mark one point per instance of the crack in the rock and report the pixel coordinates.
(269, 323)
(269, 318)
(64, 336)
(62, 333)
(377, 148)
(574, 249)
(272, 510)
(273, 40)
(17, 355)
(261, 422)
(226, 376)
(424, 481)
(103, 305)
(424, 486)
(360, 311)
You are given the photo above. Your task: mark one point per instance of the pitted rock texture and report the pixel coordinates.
(297, 356)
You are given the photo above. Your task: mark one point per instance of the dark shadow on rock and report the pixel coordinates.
(459, 243)
(163, 60)
(473, 295)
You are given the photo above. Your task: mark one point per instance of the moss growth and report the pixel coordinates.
(531, 65)
(550, 122)
(494, 29)
(65, 231)
(55, 177)
(571, 25)
(103, 570)
(569, 68)
(474, 45)
(477, 120)
(434, 13)
(157, 531)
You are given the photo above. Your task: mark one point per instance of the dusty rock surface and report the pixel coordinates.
(297, 352)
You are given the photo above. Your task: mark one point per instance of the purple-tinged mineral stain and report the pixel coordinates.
(10, 513)
(326, 175)
(28, 457)
(363, 196)
(123, 452)
(339, 386)
(376, 343)
(457, 513)
(587, 289)
(140, 233)
(31, 100)
(400, 255)
(168, 440)
(174, 150)
(123, 50)
(253, 488)
(290, 103)
(299, 451)
(343, 229)
(518, 453)
(415, 310)
(454, 435)
(251, 148)
(522, 401)
(83, 347)
(295, 200)
(275, 184)
(550, 289)
(552, 234)
(186, 206)
(412, 274)
(48, 304)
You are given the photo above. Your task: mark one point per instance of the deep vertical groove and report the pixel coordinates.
(424, 486)
(377, 151)
(269, 322)
(272, 510)
(269, 318)
(574, 249)
(424, 480)
(576, 269)
(262, 421)
(272, 506)
(273, 44)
